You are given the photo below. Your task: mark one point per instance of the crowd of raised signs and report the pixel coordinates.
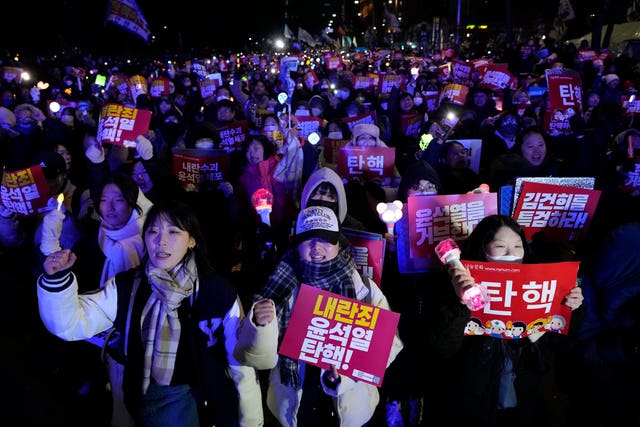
(544, 133)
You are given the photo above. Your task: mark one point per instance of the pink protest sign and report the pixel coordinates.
(121, 125)
(562, 212)
(430, 219)
(367, 250)
(232, 136)
(328, 329)
(366, 162)
(198, 169)
(25, 191)
(523, 298)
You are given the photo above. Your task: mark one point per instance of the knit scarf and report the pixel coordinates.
(160, 323)
(335, 276)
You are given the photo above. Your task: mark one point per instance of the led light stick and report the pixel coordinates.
(390, 213)
(262, 201)
(474, 297)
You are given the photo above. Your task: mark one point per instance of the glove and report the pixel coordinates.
(51, 230)
(144, 147)
(95, 154)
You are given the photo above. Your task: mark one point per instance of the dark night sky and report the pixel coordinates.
(222, 25)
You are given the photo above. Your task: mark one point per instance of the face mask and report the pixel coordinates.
(316, 111)
(204, 143)
(417, 101)
(302, 113)
(335, 135)
(269, 128)
(325, 203)
(221, 97)
(503, 258)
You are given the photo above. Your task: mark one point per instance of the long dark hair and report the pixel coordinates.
(182, 216)
(473, 248)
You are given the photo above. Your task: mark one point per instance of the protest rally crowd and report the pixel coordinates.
(157, 290)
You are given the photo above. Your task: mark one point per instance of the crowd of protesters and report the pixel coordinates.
(117, 199)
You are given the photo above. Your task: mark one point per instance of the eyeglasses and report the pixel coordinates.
(424, 188)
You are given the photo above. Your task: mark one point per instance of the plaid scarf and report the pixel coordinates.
(160, 323)
(333, 276)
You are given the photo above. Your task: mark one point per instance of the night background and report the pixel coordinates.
(228, 25)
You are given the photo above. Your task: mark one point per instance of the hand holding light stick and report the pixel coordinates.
(474, 297)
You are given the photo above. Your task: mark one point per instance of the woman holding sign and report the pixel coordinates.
(498, 381)
(300, 393)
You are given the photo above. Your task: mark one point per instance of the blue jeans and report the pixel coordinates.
(169, 406)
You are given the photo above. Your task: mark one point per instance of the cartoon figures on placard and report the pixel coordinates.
(496, 328)
(556, 323)
(516, 330)
(536, 326)
(474, 327)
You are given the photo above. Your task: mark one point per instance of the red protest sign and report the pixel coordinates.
(430, 219)
(198, 169)
(461, 71)
(362, 82)
(523, 298)
(565, 100)
(25, 191)
(207, 87)
(389, 81)
(410, 124)
(497, 77)
(12, 74)
(138, 86)
(311, 79)
(369, 118)
(367, 250)
(233, 135)
(454, 93)
(327, 330)
(307, 125)
(562, 212)
(331, 147)
(120, 125)
(160, 86)
(366, 162)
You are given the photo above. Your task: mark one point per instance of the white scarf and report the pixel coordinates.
(124, 247)
(160, 326)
